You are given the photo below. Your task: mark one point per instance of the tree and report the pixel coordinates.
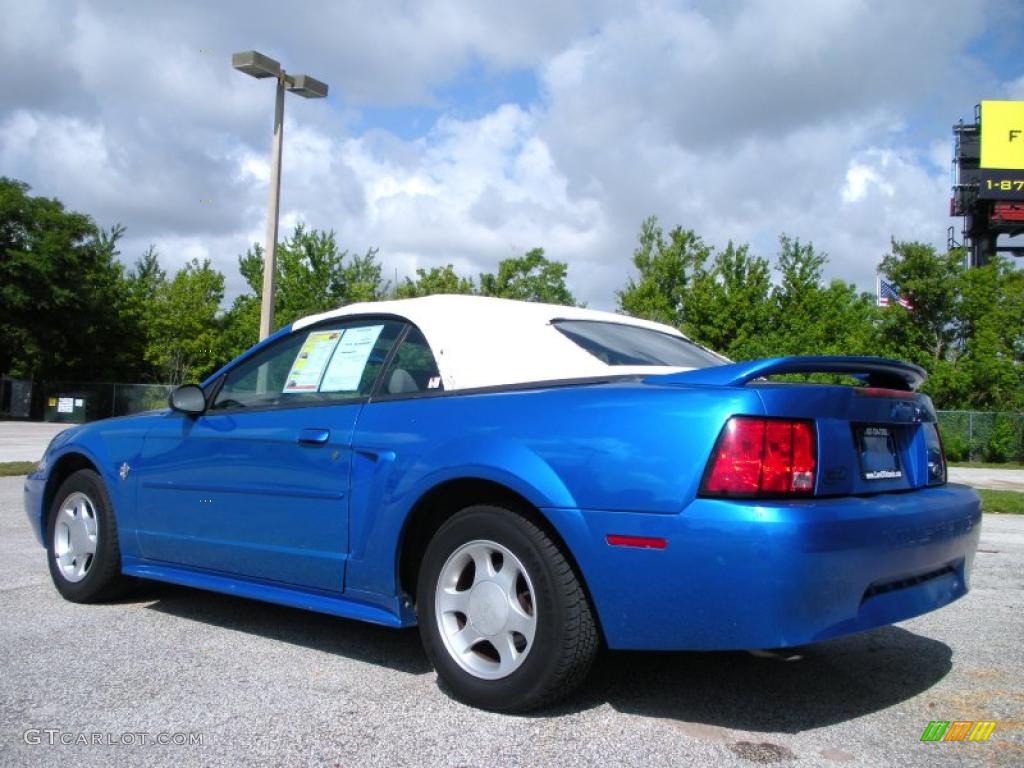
(185, 342)
(810, 318)
(530, 277)
(717, 299)
(145, 282)
(966, 327)
(312, 275)
(436, 280)
(930, 281)
(665, 269)
(726, 308)
(146, 278)
(63, 297)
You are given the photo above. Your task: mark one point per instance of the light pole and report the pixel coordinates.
(260, 66)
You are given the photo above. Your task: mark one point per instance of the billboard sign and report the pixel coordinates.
(1001, 175)
(1002, 135)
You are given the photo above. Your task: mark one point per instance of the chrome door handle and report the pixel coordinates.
(314, 436)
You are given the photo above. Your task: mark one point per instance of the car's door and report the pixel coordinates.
(258, 485)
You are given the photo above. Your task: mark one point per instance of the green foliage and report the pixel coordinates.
(954, 444)
(666, 270)
(726, 300)
(811, 318)
(1001, 502)
(929, 281)
(312, 275)
(1005, 441)
(966, 327)
(184, 340)
(434, 281)
(16, 468)
(727, 306)
(530, 277)
(63, 300)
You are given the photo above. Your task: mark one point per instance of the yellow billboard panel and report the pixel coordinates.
(1002, 135)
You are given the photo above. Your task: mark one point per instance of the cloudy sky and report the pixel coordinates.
(468, 131)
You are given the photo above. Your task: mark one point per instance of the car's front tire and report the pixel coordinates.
(503, 617)
(81, 541)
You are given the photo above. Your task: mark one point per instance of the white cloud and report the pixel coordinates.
(826, 121)
(469, 193)
(861, 177)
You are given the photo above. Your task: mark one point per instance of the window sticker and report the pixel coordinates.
(434, 383)
(308, 368)
(345, 370)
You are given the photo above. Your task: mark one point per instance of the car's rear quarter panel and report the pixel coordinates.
(626, 447)
(628, 458)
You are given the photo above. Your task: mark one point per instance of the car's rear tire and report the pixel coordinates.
(502, 615)
(81, 541)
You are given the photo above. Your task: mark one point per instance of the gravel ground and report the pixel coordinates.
(263, 685)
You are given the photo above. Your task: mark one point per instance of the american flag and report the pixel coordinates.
(889, 293)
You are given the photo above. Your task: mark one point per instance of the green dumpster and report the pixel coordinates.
(66, 408)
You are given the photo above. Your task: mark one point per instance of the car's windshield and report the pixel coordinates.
(620, 344)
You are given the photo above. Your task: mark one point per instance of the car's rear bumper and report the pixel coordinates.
(738, 574)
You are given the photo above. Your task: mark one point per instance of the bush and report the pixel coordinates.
(1004, 442)
(954, 444)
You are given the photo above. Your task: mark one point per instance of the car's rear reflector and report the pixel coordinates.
(643, 542)
(756, 456)
(901, 394)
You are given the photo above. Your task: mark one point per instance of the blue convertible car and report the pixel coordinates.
(525, 482)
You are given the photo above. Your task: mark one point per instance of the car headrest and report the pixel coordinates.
(401, 382)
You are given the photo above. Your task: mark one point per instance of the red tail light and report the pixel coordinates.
(762, 457)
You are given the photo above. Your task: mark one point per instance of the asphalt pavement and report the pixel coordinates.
(988, 477)
(26, 440)
(258, 684)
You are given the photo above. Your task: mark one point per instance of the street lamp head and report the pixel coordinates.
(256, 64)
(307, 86)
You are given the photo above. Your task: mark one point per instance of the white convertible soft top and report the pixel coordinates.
(481, 341)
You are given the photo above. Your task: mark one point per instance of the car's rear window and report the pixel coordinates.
(620, 344)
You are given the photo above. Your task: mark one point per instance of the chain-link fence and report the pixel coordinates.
(15, 398)
(88, 401)
(982, 436)
(966, 435)
(77, 401)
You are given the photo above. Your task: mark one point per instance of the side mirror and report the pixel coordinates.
(188, 398)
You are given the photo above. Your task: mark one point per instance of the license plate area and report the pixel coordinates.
(878, 452)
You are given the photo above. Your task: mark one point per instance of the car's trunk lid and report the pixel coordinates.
(874, 438)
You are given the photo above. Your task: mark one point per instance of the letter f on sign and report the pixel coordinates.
(1014, 133)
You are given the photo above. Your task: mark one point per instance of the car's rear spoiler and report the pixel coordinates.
(873, 371)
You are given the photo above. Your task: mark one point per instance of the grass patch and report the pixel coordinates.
(13, 468)
(987, 464)
(1001, 502)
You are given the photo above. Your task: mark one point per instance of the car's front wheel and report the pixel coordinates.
(81, 544)
(503, 617)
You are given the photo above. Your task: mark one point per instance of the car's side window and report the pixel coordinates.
(413, 368)
(326, 363)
